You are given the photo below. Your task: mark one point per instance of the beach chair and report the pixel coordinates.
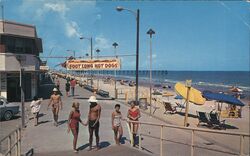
(153, 105)
(181, 106)
(215, 121)
(168, 108)
(202, 116)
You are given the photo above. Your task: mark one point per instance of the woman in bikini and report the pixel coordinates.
(134, 115)
(116, 124)
(73, 123)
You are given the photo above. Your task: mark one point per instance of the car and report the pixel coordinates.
(8, 110)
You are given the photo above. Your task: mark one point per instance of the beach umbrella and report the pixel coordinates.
(222, 98)
(190, 94)
(195, 96)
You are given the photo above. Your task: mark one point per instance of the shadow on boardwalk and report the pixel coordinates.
(109, 151)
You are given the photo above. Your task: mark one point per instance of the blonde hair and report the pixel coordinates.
(75, 105)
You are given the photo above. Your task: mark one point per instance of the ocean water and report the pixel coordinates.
(204, 80)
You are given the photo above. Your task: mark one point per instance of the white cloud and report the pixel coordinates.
(56, 7)
(102, 43)
(72, 29)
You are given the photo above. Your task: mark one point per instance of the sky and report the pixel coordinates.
(189, 36)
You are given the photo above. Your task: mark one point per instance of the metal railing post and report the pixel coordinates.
(192, 143)
(241, 145)
(9, 145)
(140, 136)
(161, 142)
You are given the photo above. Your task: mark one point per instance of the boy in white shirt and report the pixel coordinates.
(35, 108)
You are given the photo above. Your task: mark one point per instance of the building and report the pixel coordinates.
(19, 49)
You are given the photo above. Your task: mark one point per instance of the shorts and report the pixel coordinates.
(92, 122)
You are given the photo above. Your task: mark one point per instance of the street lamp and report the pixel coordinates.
(115, 45)
(91, 53)
(98, 51)
(137, 15)
(150, 32)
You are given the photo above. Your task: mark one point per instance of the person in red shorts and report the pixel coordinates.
(73, 123)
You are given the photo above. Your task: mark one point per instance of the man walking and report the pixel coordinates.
(73, 84)
(56, 102)
(93, 121)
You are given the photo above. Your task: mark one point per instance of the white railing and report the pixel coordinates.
(242, 137)
(13, 143)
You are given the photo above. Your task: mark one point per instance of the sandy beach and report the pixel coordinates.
(126, 93)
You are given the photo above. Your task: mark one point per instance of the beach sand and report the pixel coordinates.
(233, 124)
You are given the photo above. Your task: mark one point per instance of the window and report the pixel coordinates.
(19, 45)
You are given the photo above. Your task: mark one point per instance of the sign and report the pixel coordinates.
(104, 64)
(44, 68)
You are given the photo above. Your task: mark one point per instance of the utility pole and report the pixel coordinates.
(22, 97)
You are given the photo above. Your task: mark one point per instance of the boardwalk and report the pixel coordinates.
(46, 139)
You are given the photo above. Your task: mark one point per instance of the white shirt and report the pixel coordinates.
(35, 106)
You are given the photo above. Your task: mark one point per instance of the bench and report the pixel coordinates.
(89, 88)
(103, 93)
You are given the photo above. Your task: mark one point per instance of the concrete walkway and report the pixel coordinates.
(46, 139)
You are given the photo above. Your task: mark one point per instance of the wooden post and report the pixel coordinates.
(192, 143)
(19, 141)
(188, 85)
(16, 142)
(161, 142)
(131, 134)
(140, 142)
(126, 97)
(9, 145)
(241, 145)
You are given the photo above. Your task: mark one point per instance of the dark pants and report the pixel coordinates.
(73, 91)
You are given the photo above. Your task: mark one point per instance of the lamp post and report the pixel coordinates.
(98, 51)
(91, 53)
(150, 33)
(115, 45)
(137, 15)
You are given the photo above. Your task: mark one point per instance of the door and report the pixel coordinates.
(13, 88)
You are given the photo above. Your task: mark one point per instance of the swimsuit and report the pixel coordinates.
(75, 119)
(117, 120)
(55, 105)
(134, 114)
(92, 122)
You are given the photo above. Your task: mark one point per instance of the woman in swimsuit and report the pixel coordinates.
(73, 123)
(134, 115)
(116, 124)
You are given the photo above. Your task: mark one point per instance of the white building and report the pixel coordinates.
(19, 48)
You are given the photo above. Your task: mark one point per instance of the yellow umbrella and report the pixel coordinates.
(195, 96)
(190, 94)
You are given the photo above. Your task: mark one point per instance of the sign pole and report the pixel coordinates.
(22, 98)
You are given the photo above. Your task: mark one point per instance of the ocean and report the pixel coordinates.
(203, 80)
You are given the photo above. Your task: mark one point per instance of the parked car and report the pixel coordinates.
(8, 110)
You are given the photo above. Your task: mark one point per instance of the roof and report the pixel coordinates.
(19, 29)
